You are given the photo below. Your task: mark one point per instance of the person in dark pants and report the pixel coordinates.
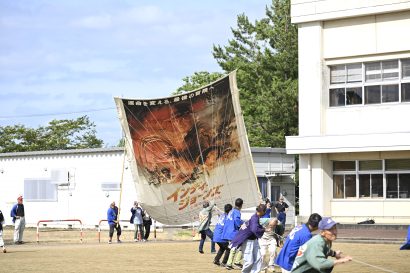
(281, 208)
(205, 216)
(137, 220)
(147, 222)
(1, 232)
(113, 222)
(222, 243)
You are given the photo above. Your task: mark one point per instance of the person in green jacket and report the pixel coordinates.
(312, 256)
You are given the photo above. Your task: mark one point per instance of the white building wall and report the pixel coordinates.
(338, 32)
(305, 185)
(84, 199)
(310, 62)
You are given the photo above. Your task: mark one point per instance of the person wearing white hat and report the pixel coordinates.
(17, 212)
(312, 256)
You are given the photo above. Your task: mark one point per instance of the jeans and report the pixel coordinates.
(282, 218)
(210, 235)
(138, 230)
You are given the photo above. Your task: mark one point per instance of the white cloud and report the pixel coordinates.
(94, 22)
(142, 15)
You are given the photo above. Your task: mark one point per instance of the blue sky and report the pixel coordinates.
(75, 56)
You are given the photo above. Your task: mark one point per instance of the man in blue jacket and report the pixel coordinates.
(217, 238)
(296, 238)
(233, 223)
(17, 212)
(113, 222)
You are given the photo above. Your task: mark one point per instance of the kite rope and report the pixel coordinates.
(121, 182)
(374, 266)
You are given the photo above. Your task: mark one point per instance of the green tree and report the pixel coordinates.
(57, 135)
(198, 80)
(265, 53)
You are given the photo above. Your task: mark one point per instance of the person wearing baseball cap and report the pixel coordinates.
(296, 238)
(17, 212)
(312, 256)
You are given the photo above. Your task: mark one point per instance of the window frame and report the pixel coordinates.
(357, 172)
(399, 81)
(40, 189)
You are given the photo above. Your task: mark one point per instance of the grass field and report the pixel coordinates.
(61, 251)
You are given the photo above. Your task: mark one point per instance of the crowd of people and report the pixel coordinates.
(140, 218)
(252, 246)
(241, 244)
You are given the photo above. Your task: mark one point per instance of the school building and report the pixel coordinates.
(81, 184)
(354, 102)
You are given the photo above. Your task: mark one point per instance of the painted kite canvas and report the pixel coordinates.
(189, 148)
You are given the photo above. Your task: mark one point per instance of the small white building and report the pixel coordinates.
(276, 177)
(81, 184)
(354, 101)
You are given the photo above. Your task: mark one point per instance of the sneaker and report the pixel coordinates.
(201, 251)
(217, 263)
(4, 250)
(229, 267)
(119, 241)
(135, 240)
(223, 265)
(109, 242)
(144, 240)
(238, 265)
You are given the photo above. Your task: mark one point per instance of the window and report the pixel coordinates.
(397, 164)
(390, 93)
(350, 76)
(110, 186)
(380, 84)
(344, 165)
(370, 185)
(372, 94)
(392, 186)
(344, 186)
(337, 97)
(405, 68)
(354, 95)
(344, 179)
(263, 186)
(373, 72)
(350, 185)
(405, 92)
(364, 179)
(38, 189)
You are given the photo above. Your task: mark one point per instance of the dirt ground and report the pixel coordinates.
(62, 251)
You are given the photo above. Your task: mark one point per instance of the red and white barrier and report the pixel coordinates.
(66, 220)
(99, 228)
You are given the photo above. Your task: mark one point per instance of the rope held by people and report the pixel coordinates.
(374, 266)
